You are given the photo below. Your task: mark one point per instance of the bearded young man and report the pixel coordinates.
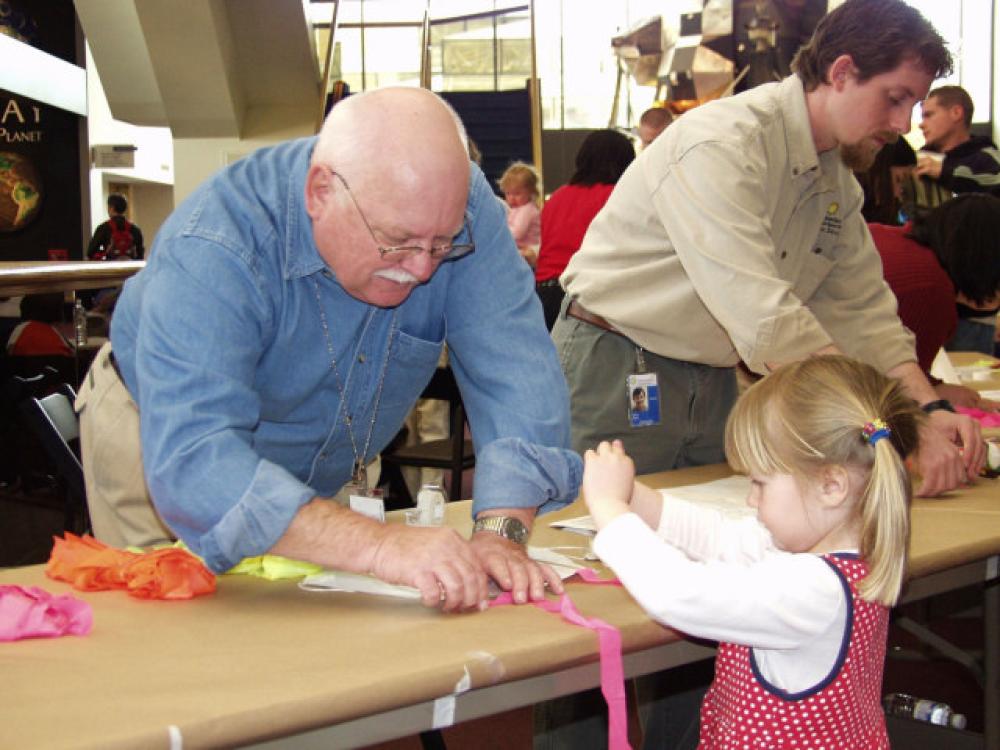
(737, 235)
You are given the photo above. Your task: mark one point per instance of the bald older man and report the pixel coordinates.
(294, 307)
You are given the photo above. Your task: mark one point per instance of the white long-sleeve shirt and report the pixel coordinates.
(722, 578)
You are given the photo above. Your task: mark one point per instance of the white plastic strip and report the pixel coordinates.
(444, 707)
(176, 740)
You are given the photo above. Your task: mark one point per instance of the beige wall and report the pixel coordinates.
(153, 204)
(197, 158)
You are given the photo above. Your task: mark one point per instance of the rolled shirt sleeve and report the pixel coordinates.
(508, 371)
(200, 407)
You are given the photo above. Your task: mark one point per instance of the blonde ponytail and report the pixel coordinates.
(885, 521)
(825, 411)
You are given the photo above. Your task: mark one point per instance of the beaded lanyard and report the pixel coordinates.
(359, 474)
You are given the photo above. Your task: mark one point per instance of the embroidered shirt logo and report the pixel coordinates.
(832, 223)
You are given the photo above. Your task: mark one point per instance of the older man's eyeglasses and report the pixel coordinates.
(461, 244)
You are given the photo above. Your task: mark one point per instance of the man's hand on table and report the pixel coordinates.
(951, 453)
(968, 398)
(437, 561)
(508, 564)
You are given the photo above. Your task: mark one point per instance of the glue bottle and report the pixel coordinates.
(430, 505)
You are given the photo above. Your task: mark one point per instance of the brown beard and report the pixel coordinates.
(858, 157)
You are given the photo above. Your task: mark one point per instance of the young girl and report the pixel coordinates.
(799, 596)
(520, 189)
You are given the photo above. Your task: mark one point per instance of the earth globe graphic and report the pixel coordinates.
(21, 191)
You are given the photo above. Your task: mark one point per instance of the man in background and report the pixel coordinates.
(117, 238)
(653, 122)
(960, 162)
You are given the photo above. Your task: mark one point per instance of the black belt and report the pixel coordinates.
(547, 283)
(114, 366)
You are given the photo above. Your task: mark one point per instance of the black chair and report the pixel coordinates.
(28, 367)
(454, 454)
(54, 423)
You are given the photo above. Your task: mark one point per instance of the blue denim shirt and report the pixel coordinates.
(220, 342)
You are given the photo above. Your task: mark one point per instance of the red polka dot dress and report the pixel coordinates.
(842, 712)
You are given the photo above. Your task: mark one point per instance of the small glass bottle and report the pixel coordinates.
(901, 704)
(430, 505)
(80, 323)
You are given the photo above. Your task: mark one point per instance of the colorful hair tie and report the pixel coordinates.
(875, 430)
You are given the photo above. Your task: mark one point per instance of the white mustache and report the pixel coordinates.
(397, 275)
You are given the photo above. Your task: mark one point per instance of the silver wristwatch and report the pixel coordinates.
(505, 526)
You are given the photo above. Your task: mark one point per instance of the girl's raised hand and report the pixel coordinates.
(608, 482)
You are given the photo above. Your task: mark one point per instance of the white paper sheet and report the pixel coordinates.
(943, 369)
(337, 580)
(729, 496)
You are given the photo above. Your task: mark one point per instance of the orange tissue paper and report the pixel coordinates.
(91, 565)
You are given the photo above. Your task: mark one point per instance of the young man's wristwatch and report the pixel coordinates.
(939, 405)
(506, 526)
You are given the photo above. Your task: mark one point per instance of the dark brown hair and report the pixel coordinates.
(954, 96)
(878, 35)
(964, 233)
(117, 203)
(602, 158)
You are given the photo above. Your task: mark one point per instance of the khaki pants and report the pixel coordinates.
(695, 399)
(121, 510)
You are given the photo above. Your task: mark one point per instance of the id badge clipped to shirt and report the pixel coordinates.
(643, 393)
(358, 497)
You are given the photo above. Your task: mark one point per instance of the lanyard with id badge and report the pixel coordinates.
(356, 494)
(643, 393)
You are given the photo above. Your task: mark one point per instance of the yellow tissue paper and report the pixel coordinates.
(273, 567)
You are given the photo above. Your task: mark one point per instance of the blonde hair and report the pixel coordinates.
(520, 174)
(809, 415)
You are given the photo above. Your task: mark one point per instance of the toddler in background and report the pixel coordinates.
(519, 184)
(799, 596)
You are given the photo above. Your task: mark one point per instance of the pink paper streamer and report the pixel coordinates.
(589, 575)
(31, 612)
(610, 643)
(986, 418)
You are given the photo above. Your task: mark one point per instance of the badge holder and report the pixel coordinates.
(643, 394)
(357, 496)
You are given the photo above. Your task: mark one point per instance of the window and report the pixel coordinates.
(483, 45)
(966, 26)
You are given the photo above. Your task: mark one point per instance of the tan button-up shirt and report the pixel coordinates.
(730, 238)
